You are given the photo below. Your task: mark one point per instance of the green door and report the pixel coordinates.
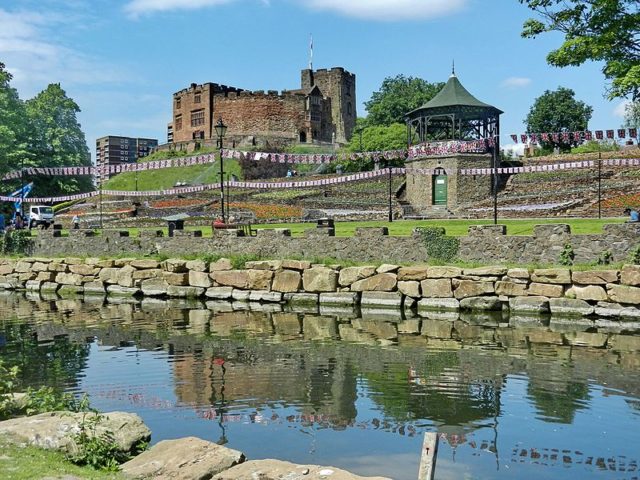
(439, 189)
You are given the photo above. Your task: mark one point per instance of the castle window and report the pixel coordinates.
(349, 108)
(178, 103)
(178, 122)
(303, 136)
(197, 118)
(197, 98)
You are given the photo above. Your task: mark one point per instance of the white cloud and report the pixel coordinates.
(516, 82)
(620, 109)
(35, 59)
(136, 8)
(384, 10)
(389, 10)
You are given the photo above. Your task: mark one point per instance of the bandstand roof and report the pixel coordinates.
(454, 98)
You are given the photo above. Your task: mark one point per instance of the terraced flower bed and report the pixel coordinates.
(177, 202)
(623, 201)
(264, 211)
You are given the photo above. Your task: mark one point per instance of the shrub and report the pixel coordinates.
(16, 242)
(567, 255)
(440, 248)
(8, 383)
(634, 256)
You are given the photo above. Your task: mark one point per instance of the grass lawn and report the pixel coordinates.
(168, 177)
(27, 463)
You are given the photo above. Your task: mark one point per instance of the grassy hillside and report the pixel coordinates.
(169, 177)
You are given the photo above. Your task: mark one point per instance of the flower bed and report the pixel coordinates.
(267, 211)
(623, 201)
(176, 202)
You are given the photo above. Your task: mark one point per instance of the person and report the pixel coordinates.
(633, 215)
(232, 219)
(76, 222)
(18, 223)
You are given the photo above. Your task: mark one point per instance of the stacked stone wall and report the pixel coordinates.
(611, 293)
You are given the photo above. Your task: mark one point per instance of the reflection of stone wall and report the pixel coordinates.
(484, 244)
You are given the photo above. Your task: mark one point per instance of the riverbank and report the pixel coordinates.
(611, 293)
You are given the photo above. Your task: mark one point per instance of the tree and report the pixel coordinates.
(596, 30)
(397, 96)
(13, 126)
(632, 115)
(375, 138)
(56, 140)
(558, 111)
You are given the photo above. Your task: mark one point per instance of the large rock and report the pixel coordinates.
(296, 264)
(199, 278)
(154, 287)
(145, 274)
(410, 288)
(178, 279)
(590, 292)
(259, 279)
(560, 276)
(277, 469)
(196, 265)
(120, 291)
(144, 263)
(471, 288)
(624, 294)
(94, 288)
(443, 272)
(545, 290)
(185, 458)
(436, 288)
(350, 275)
(520, 273)
(570, 306)
(175, 265)
(69, 279)
(339, 298)
(286, 281)
(184, 292)
(125, 276)
(492, 271)
(481, 303)
(537, 304)
(219, 293)
(595, 277)
(630, 275)
(55, 430)
(108, 275)
(511, 289)
(428, 304)
(416, 272)
(220, 265)
(320, 279)
(381, 299)
(381, 282)
(83, 269)
(264, 265)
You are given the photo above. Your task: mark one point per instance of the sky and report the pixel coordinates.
(121, 60)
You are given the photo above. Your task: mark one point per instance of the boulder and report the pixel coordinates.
(178, 279)
(545, 290)
(32, 286)
(595, 277)
(57, 267)
(185, 458)
(381, 299)
(521, 273)
(590, 292)
(55, 430)
(199, 278)
(302, 299)
(22, 267)
(220, 265)
(299, 265)
(120, 291)
(6, 269)
(265, 296)
(470, 288)
(219, 293)
(426, 304)
(570, 306)
(107, 275)
(175, 265)
(46, 276)
(350, 275)
(495, 271)
(339, 298)
(387, 268)
(481, 303)
(277, 469)
(259, 279)
(231, 278)
(196, 266)
(272, 265)
(511, 289)
(443, 272)
(154, 287)
(538, 304)
(561, 276)
(73, 261)
(144, 264)
(94, 288)
(36, 267)
(416, 272)
(286, 281)
(381, 282)
(320, 279)
(630, 275)
(125, 276)
(436, 288)
(624, 294)
(409, 288)
(184, 292)
(69, 279)
(145, 274)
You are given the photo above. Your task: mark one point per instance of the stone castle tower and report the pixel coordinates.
(340, 86)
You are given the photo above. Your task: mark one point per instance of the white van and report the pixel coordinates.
(39, 215)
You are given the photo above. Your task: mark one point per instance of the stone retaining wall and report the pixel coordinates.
(559, 291)
(487, 244)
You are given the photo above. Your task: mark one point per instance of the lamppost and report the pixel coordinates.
(22, 188)
(390, 207)
(221, 130)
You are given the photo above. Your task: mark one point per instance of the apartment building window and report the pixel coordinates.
(197, 118)
(197, 98)
(178, 122)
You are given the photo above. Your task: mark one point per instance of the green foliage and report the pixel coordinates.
(632, 114)
(440, 248)
(397, 96)
(49, 399)
(8, 383)
(558, 111)
(634, 256)
(605, 258)
(594, 146)
(594, 30)
(57, 140)
(13, 126)
(16, 242)
(567, 255)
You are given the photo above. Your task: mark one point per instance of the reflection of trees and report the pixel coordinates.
(54, 363)
(558, 401)
(438, 389)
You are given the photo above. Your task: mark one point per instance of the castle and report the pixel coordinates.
(323, 110)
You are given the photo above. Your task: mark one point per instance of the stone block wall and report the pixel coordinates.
(557, 291)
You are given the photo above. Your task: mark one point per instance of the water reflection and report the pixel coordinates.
(519, 397)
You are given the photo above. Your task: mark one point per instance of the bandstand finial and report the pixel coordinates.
(453, 68)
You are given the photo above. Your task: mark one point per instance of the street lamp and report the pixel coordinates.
(221, 130)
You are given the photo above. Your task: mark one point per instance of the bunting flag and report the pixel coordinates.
(599, 135)
(454, 146)
(621, 133)
(523, 138)
(514, 137)
(610, 134)
(633, 133)
(574, 136)
(588, 135)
